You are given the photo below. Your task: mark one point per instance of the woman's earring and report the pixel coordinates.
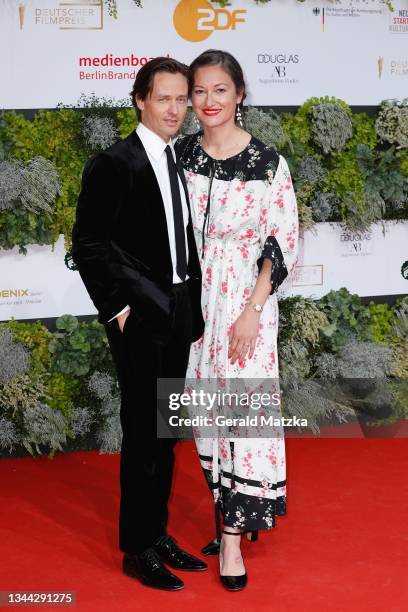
(238, 116)
(196, 122)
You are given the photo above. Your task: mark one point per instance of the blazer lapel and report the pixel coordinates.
(146, 181)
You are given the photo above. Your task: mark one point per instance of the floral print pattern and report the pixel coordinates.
(243, 210)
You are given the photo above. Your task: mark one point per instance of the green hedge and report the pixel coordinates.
(346, 167)
(59, 388)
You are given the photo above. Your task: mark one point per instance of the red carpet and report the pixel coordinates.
(342, 546)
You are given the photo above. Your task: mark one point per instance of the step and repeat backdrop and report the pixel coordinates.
(290, 51)
(369, 263)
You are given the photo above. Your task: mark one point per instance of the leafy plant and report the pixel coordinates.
(331, 126)
(267, 127)
(99, 132)
(76, 347)
(348, 319)
(44, 427)
(384, 182)
(301, 322)
(109, 433)
(381, 320)
(347, 182)
(392, 122)
(126, 121)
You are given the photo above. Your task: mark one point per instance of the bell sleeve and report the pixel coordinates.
(279, 225)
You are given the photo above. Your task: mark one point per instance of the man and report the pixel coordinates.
(134, 247)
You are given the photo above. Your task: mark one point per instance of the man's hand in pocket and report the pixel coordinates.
(121, 319)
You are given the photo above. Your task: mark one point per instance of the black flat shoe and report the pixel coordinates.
(252, 536)
(149, 570)
(234, 583)
(212, 548)
(171, 554)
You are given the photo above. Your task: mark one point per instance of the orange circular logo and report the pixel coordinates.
(195, 20)
(192, 19)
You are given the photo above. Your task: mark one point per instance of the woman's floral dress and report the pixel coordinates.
(243, 210)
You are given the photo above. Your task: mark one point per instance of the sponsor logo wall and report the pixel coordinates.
(366, 263)
(372, 263)
(290, 51)
(39, 285)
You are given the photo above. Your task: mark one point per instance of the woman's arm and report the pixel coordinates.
(244, 331)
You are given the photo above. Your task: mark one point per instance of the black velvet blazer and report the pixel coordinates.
(120, 241)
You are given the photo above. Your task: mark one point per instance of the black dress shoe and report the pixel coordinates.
(212, 548)
(148, 568)
(234, 583)
(169, 552)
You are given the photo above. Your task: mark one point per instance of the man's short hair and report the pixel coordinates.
(143, 85)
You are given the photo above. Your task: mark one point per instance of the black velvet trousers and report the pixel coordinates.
(146, 467)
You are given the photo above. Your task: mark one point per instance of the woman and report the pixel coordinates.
(246, 226)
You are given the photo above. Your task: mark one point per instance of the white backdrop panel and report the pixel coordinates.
(54, 50)
(38, 285)
(367, 263)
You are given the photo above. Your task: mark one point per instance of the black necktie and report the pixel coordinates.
(179, 231)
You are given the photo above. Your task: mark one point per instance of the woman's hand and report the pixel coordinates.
(243, 335)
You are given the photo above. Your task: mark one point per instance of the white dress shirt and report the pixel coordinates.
(155, 149)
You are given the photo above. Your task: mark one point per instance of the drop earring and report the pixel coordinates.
(196, 122)
(238, 116)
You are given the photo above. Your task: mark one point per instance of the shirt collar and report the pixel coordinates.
(152, 142)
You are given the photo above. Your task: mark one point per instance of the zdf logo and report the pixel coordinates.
(196, 20)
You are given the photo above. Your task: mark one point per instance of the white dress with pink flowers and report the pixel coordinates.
(243, 210)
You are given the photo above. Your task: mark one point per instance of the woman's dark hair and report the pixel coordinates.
(215, 57)
(143, 85)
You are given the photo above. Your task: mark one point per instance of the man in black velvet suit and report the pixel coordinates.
(134, 247)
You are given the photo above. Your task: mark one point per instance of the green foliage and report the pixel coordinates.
(400, 322)
(32, 186)
(303, 127)
(364, 182)
(22, 392)
(403, 157)
(400, 361)
(67, 388)
(300, 325)
(392, 122)
(325, 130)
(36, 337)
(77, 348)
(266, 126)
(347, 182)
(347, 316)
(62, 389)
(381, 321)
(126, 121)
(384, 181)
(363, 131)
(347, 188)
(38, 400)
(20, 228)
(112, 8)
(56, 137)
(58, 389)
(297, 128)
(302, 320)
(331, 126)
